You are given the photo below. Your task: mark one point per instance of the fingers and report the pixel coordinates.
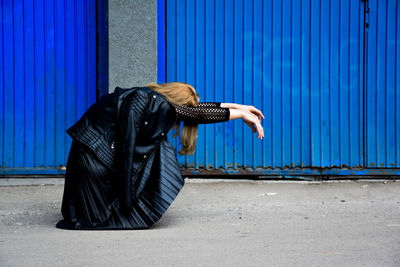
(261, 132)
(254, 122)
(259, 129)
(256, 112)
(251, 125)
(253, 128)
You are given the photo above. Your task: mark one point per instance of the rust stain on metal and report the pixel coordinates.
(62, 167)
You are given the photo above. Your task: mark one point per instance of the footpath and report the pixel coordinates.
(215, 222)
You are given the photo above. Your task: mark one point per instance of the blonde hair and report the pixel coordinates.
(182, 94)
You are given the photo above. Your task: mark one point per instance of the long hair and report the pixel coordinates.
(182, 94)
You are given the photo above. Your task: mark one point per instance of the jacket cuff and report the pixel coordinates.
(227, 114)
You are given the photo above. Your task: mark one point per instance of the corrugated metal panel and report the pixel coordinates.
(298, 61)
(382, 94)
(47, 80)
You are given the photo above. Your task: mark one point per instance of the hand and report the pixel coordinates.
(254, 122)
(252, 110)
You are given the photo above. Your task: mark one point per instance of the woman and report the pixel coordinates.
(122, 172)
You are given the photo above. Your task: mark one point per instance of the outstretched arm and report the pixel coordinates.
(249, 108)
(212, 112)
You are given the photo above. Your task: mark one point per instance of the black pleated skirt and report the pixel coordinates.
(90, 201)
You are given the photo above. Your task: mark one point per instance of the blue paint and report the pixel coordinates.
(301, 63)
(237, 94)
(209, 142)
(160, 41)
(48, 79)
(102, 47)
(1, 83)
(382, 86)
(32, 171)
(311, 172)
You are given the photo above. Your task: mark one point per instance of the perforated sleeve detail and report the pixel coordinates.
(202, 114)
(210, 104)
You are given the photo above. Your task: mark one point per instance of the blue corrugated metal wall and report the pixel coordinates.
(300, 62)
(47, 80)
(382, 123)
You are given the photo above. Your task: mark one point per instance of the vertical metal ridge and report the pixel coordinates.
(262, 147)
(250, 99)
(214, 128)
(242, 80)
(376, 94)
(65, 140)
(186, 56)
(203, 87)
(329, 85)
(45, 96)
(348, 90)
(235, 152)
(9, 90)
(161, 40)
(257, 76)
(302, 89)
(291, 87)
(390, 92)
(321, 162)
(397, 86)
(220, 160)
(86, 50)
(361, 75)
(363, 89)
(24, 70)
(385, 91)
(18, 112)
(262, 81)
(29, 68)
(320, 79)
(228, 154)
(282, 87)
(273, 164)
(195, 156)
(54, 121)
(390, 84)
(208, 77)
(1, 86)
(340, 88)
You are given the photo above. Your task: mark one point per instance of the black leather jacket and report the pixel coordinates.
(125, 129)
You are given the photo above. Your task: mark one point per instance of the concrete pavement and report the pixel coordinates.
(215, 223)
